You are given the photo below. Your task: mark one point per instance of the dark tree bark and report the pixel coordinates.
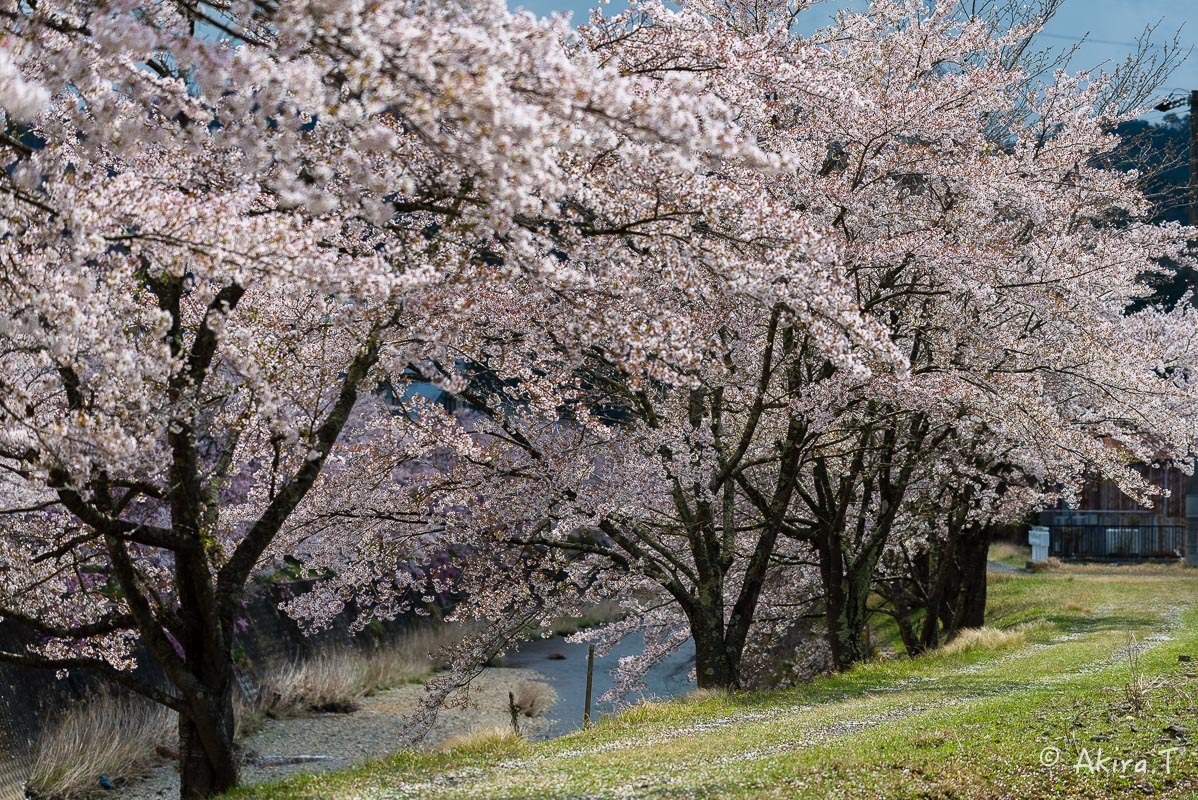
(207, 756)
(846, 611)
(208, 765)
(942, 590)
(848, 539)
(717, 662)
(965, 603)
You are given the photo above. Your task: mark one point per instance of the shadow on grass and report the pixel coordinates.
(1097, 623)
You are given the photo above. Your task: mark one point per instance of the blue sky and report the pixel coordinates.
(1112, 26)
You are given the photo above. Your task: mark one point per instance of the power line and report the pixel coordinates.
(1089, 40)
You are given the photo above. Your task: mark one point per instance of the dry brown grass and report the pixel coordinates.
(1077, 607)
(1137, 687)
(108, 735)
(595, 614)
(248, 717)
(705, 695)
(335, 680)
(411, 658)
(490, 741)
(389, 667)
(1164, 569)
(533, 698)
(972, 639)
(1009, 552)
(1142, 689)
(325, 683)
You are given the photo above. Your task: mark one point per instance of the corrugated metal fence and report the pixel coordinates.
(1117, 542)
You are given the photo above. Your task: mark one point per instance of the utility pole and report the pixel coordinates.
(1192, 493)
(1194, 157)
(1168, 104)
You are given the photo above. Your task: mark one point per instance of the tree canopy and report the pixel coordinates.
(745, 324)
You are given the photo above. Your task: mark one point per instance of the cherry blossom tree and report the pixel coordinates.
(936, 556)
(723, 302)
(770, 466)
(225, 226)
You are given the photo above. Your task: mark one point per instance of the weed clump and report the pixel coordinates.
(112, 736)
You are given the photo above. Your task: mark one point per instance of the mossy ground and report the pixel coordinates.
(1095, 668)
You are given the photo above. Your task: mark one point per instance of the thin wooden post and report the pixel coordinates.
(586, 714)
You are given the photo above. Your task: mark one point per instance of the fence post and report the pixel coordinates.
(586, 714)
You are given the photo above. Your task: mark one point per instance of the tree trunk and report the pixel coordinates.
(974, 550)
(846, 590)
(207, 757)
(716, 669)
(846, 615)
(901, 594)
(846, 626)
(717, 666)
(208, 764)
(910, 641)
(942, 588)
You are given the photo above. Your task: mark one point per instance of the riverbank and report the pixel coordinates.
(1075, 663)
(327, 742)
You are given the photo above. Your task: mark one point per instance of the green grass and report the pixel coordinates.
(1013, 555)
(947, 726)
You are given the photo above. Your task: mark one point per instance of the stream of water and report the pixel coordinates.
(568, 676)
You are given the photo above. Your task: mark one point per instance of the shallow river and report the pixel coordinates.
(568, 677)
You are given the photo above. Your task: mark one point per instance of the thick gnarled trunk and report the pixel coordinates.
(208, 762)
(847, 617)
(717, 654)
(717, 662)
(964, 604)
(846, 591)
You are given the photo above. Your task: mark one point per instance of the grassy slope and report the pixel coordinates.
(965, 724)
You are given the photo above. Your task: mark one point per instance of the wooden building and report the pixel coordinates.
(1109, 525)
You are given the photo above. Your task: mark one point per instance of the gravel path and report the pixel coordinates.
(342, 740)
